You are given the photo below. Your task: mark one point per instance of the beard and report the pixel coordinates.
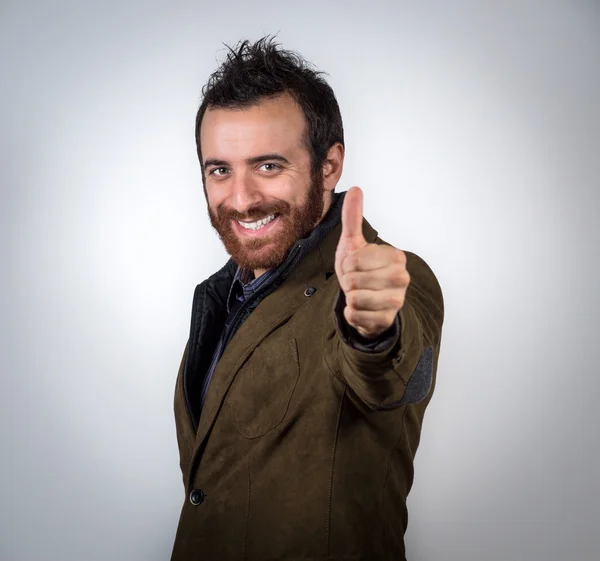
(270, 250)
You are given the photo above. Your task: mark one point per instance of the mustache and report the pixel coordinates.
(253, 213)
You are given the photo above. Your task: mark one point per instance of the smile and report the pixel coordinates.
(258, 224)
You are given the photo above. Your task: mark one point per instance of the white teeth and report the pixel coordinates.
(258, 224)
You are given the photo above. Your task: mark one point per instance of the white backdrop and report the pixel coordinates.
(474, 130)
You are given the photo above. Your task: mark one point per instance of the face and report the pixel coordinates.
(260, 192)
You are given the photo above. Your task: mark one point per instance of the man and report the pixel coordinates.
(312, 352)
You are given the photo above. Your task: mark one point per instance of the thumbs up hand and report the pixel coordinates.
(373, 277)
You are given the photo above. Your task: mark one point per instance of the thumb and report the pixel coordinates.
(352, 237)
(352, 219)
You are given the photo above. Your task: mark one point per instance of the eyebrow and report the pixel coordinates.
(250, 161)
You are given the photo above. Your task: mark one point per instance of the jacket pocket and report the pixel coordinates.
(260, 395)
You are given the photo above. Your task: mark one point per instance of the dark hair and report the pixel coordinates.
(254, 71)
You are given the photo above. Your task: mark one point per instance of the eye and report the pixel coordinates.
(270, 167)
(219, 171)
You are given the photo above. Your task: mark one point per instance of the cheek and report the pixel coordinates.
(292, 190)
(213, 197)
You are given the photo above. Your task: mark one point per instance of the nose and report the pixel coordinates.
(245, 193)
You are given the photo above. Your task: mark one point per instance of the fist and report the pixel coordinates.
(373, 277)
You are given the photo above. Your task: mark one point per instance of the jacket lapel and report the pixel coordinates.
(270, 313)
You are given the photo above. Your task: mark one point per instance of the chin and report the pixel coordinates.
(268, 257)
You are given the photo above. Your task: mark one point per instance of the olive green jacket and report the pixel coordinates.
(304, 449)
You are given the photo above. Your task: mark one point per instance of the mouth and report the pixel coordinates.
(257, 227)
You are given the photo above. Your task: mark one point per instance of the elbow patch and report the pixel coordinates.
(421, 379)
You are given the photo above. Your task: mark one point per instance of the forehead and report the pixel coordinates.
(274, 124)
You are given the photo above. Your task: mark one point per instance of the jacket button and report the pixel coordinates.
(310, 290)
(197, 496)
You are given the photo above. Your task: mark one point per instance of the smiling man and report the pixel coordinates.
(313, 352)
(261, 193)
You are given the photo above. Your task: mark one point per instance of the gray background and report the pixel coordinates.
(473, 128)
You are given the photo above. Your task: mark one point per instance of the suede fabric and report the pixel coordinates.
(304, 448)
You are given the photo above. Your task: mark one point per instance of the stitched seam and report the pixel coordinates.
(330, 490)
(334, 372)
(217, 405)
(387, 472)
(234, 401)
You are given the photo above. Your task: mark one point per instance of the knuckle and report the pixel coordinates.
(397, 301)
(351, 281)
(343, 280)
(350, 315)
(401, 276)
(397, 276)
(351, 299)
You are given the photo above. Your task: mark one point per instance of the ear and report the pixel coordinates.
(333, 166)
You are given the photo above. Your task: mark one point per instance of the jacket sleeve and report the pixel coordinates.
(400, 366)
(353, 338)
